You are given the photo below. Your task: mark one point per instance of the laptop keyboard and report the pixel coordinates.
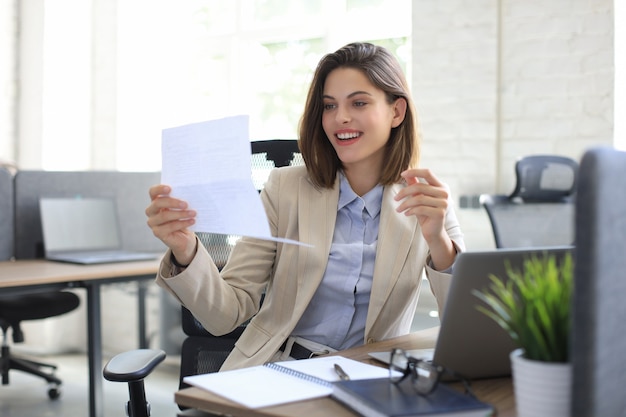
(105, 257)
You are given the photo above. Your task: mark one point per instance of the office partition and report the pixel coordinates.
(128, 189)
(6, 215)
(599, 308)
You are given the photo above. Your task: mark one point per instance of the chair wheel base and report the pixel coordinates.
(54, 392)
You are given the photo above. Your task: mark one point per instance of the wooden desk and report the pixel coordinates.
(498, 392)
(31, 275)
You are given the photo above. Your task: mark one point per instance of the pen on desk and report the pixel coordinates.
(342, 374)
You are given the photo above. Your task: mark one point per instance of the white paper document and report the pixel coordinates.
(207, 164)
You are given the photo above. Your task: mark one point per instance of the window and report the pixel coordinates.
(197, 60)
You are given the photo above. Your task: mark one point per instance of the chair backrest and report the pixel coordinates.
(599, 310)
(275, 152)
(540, 210)
(203, 352)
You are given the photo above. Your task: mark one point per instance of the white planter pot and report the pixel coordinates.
(542, 389)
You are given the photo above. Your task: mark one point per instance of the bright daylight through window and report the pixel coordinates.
(220, 58)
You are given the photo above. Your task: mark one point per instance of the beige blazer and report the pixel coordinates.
(289, 274)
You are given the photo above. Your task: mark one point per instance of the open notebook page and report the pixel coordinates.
(262, 386)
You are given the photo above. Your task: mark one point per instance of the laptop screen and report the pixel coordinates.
(73, 224)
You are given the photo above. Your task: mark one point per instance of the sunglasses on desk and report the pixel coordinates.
(424, 375)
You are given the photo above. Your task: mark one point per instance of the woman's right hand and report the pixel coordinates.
(169, 218)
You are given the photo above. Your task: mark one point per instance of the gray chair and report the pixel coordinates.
(599, 308)
(201, 352)
(540, 210)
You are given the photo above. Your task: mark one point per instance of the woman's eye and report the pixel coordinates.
(359, 103)
(329, 106)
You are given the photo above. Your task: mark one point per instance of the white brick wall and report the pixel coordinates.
(496, 80)
(557, 77)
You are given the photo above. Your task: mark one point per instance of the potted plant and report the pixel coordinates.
(533, 307)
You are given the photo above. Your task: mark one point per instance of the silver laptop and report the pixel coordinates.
(469, 342)
(84, 231)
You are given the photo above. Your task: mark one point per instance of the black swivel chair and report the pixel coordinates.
(18, 307)
(540, 211)
(201, 351)
(32, 306)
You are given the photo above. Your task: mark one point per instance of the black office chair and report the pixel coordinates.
(201, 352)
(540, 210)
(15, 308)
(32, 306)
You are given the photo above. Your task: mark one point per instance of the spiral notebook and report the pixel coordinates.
(283, 382)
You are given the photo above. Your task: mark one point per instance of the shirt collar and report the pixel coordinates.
(372, 199)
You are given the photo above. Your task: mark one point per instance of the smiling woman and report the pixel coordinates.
(371, 228)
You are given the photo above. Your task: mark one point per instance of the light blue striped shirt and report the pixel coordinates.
(336, 315)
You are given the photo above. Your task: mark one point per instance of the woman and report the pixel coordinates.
(374, 219)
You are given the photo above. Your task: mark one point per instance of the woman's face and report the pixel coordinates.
(357, 118)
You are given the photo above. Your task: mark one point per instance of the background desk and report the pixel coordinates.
(30, 275)
(498, 391)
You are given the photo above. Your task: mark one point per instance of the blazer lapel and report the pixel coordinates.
(395, 236)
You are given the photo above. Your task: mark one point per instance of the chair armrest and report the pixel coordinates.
(133, 365)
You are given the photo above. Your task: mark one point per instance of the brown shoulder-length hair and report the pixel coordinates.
(384, 72)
